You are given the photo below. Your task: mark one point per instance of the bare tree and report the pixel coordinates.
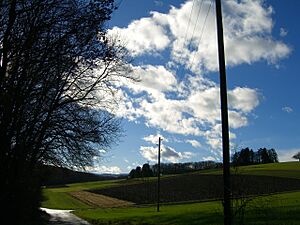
(58, 68)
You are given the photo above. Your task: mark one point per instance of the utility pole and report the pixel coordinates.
(158, 174)
(224, 113)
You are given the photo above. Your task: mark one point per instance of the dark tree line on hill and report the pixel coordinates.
(58, 68)
(247, 156)
(177, 168)
(139, 172)
(297, 156)
(172, 168)
(57, 176)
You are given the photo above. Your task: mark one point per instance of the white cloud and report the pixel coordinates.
(209, 158)
(194, 143)
(244, 99)
(167, 154)
(283, 32)
(287, 109)
(154, 138)
(246, 24)
(285, 155)
(153, 78)
(191, 106)
(197, 112)
(143, 35)
(105, 169)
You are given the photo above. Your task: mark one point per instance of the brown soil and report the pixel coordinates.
(195, 187)
(98, 200)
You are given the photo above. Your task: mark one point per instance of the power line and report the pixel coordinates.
(202, 30)
(186, 33)
(199, 11)
(187, 29)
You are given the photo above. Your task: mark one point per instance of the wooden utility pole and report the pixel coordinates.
(158, 174)
(224, 114)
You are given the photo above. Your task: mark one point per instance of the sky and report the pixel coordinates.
(173, 47)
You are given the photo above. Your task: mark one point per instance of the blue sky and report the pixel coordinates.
(173, 46)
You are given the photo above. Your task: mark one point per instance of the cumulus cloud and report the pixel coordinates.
(153, 139)
(153, 78)
(191, 105)
(244, 99)
(194, 143)
(287, 109)
(283, 32)
(167, 154)
(246, 24)
(143, 35)
(196, 112)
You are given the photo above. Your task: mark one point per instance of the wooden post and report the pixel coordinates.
(158, 175)
(224, 113)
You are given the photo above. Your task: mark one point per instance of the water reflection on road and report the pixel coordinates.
(63, 217)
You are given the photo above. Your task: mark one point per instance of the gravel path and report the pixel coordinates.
(64, 217)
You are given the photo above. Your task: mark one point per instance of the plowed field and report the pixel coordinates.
(195, 187)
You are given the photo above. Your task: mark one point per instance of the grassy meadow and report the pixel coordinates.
(276, 209)
(279, 208)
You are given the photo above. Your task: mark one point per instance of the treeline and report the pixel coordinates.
(172, 168)
(177, 168)
(247, 156)
(139, 172)
(52, 176)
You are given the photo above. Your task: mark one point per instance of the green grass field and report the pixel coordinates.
(58, 198)
(274, 209)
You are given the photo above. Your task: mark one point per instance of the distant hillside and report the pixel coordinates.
(208, 184)
(284, 169)
(52, 175)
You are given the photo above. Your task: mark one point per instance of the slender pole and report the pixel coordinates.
(158, 175)
(224, 114)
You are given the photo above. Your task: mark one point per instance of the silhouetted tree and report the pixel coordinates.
(297, 156)
(138, 172)
(58, 69)
(175, 168)
(248, 157)
(132, 174)
(146, 171)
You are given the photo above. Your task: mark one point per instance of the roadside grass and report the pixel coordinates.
(58, 197)
(274, 209)
(61, 200)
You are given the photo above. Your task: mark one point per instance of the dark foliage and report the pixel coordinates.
(53, 176)
(297, 156)
(57, 71)
(177, 168)
(147, 171)
(139, 172)
(249, 157)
